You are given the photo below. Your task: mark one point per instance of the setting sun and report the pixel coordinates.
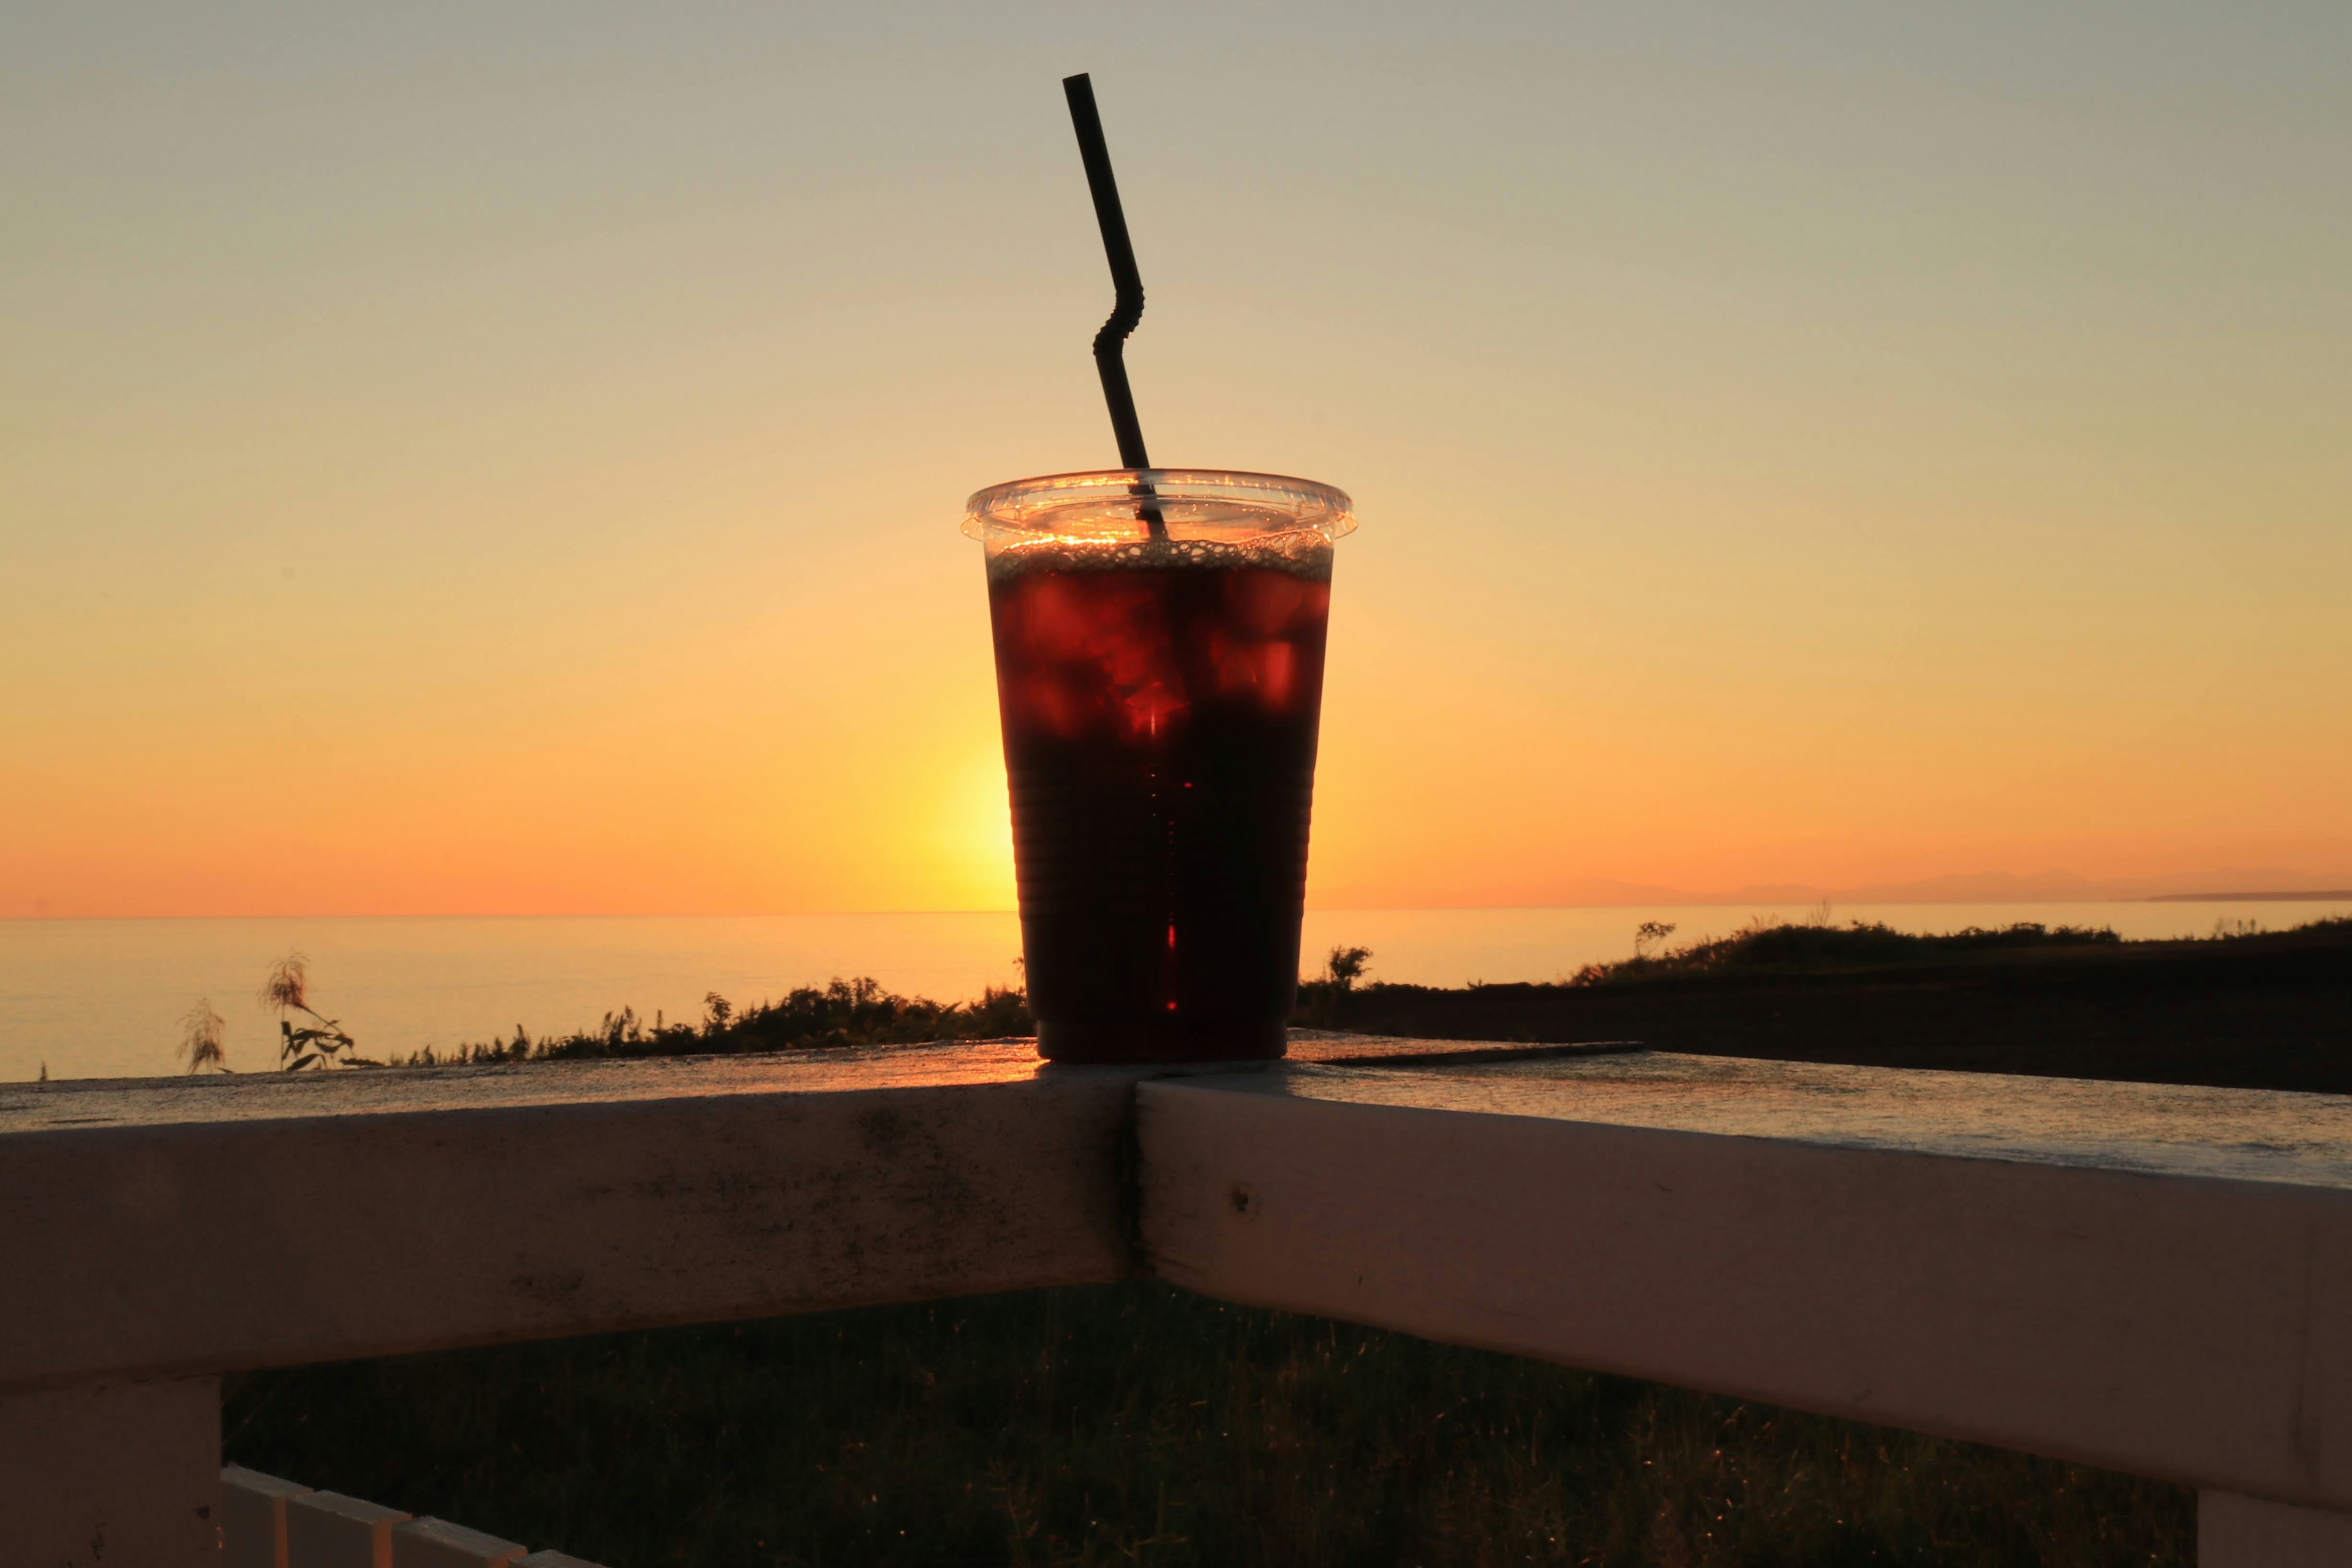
(976, 834)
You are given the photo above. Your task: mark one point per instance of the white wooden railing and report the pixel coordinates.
(269, 1522)
(2149, 1279)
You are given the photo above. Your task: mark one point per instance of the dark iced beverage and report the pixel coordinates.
(1160, 690)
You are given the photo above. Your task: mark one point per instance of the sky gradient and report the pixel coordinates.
(463, 460)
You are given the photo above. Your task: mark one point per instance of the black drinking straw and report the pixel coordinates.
(1110, 343)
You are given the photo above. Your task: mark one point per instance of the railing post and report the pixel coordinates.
(2235, 1532)
(109, 1474)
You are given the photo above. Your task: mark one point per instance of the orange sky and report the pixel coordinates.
(445, 471)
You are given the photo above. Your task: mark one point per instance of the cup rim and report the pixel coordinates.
(1021, 505)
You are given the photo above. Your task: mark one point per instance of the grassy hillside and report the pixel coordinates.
(1138, 1425)
(2268, 1011)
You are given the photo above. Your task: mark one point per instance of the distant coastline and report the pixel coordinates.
(2282, 898)
(105, 998)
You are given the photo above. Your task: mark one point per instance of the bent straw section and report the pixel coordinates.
(1126, 280)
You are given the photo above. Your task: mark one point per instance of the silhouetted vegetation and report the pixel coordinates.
(200, 1039)
(1318, 998)
(1859, 944)
(322, 1043)
(2241, 1008)
(839, 1013)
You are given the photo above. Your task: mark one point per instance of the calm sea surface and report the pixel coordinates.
(104, 998)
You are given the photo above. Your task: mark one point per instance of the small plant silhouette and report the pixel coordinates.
(1346, 966)
(322, 1043)
(1319, 999)
(1649, 932)
(200, 1039)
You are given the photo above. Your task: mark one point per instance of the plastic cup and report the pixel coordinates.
(1159, 677)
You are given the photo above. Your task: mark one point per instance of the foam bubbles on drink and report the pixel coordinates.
(1300, 552)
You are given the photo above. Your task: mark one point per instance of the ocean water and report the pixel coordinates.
(105, 998)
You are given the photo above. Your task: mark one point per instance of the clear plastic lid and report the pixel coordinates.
(1115, 506)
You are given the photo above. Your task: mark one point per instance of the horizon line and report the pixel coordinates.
(1687, 901)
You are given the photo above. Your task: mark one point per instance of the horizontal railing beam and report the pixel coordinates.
(2046, 1266)
(153, 1230)
(160, 1226)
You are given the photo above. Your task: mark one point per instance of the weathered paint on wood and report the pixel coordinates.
(253, 1518)
(271, 1221)
(2303, 1139)
(159, 1226)
(437, 1543)
(330, 1530)
(2235, 1532)
(92, 1477)
(2155, 1280)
